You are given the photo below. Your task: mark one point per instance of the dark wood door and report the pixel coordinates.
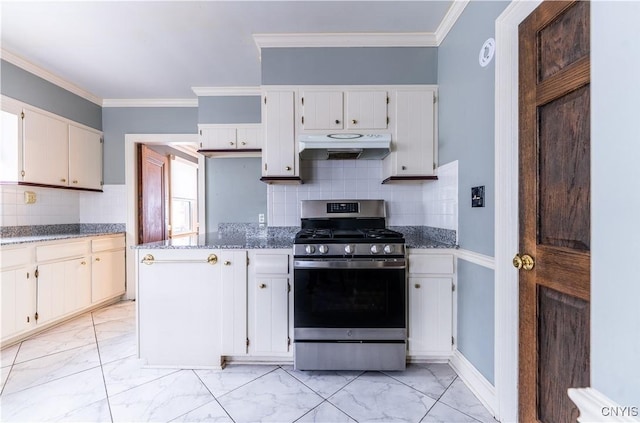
(152, 191)
(554, 209)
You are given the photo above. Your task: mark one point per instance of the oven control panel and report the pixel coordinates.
(362, 249)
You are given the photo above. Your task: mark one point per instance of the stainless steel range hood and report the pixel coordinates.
(345, 146)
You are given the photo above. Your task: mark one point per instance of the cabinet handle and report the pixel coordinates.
(337, 121)
(97, 258)
(417, 286)
(75, 181)
(227, 263)
(63, 180)
(262, 285)
(404, 168)
(354, 121)
(243, 143)
(83, 263)
(287, 168)
(231, 143)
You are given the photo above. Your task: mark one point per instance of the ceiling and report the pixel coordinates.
(160, 50)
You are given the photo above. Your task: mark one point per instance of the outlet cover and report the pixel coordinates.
(29, 197)
(477, 196)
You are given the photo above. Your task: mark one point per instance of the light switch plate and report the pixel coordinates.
(29, 197)
(477, 196)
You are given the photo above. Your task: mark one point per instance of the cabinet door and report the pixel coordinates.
(430, 315)
(45, 149)
(366, 110)
(279, 153)
(11, 136)
(250, 138)
(85, 158)
(233, 274)
(179, 308)
(18, 301)
(62, 287)
(321, 110)
(414, 140)
(218, 139)
(271, 315)
(107, 275)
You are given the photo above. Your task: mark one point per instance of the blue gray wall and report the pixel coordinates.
(234, 191)
(349, 65)
(615, 150)
(31, 89)
(118, 121)
(229, 109)
(466, 134)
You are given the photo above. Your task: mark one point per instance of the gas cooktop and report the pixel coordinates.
(348, 235)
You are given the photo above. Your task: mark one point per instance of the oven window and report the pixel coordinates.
(349, 298)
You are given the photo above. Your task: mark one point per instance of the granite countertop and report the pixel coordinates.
(249, 236)
(13, 235)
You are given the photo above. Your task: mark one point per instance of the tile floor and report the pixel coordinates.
(86, 370)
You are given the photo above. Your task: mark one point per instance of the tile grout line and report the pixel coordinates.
(13, 362)
(104, 380)
(214, 398)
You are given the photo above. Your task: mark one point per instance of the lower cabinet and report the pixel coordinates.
(179, 307)
(430, 295)
(45, 282)
(233, 275)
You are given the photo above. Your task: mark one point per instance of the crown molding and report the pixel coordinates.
(225, 91)
(150, 102)
(454, 12)
(48, 76)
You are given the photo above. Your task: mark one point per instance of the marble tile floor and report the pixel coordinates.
(86, 370)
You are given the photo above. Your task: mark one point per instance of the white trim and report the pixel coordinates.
(49, 76)
(595, 407)
(343, 39)
(452, 16)
(150, 102)
(228, 125)
(475, 381)
(506, 209)
(386, 87)
(131, 171)
(225, 91)
(476, 258)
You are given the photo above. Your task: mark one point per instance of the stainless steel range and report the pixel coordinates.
(349, 288)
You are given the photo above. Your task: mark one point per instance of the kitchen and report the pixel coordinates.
(465, 91)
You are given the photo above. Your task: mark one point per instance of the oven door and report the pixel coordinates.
(349, 293)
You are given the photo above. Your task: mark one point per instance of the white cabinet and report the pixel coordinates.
(279, 155)
(63, 287)
(17, 292)
(179, 307)
(85, 158)
(233, 277)
(107, 268)
(413, 154)
(337, 109)
(430, 294)
(269, 298)
(45, 149)
(230, 137)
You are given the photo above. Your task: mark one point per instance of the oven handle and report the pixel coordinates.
(398, 263)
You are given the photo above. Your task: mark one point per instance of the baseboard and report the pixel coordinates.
(595, 407)
(474, 380)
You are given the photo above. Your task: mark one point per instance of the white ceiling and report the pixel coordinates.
(160, 50)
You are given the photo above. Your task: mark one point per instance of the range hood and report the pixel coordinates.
(344, 146)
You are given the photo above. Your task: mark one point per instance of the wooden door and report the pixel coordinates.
(554, 209)
(152, 191)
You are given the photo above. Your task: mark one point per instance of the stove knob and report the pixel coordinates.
(388, 249)
(349, 249)
(310, 249)
(323, 249)
(375, 249)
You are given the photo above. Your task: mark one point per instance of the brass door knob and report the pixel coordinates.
(243, 143)
(97, 258)
(263, 285)
(417, 286)
(287, 168)
(227, 263)
(75, 181)
(231, 143)
(525, 262)
(354, 121)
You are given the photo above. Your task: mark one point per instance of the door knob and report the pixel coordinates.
(525, 262)
(227, 263)
(262, 286)
(354, 121)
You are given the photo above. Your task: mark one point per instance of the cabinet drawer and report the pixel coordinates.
(430, 263)
(272, 264)
(60, 251)
(104, 244)
(14, 257)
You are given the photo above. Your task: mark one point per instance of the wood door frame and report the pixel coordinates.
(131, 142)
(506, 208)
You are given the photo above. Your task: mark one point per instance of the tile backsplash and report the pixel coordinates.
(433, 203)
(109, 206)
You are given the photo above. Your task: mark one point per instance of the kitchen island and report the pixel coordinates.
(227, 296)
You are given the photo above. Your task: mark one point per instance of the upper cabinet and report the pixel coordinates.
(338, 110)
(414, 145)
(40, 148)
(229, 138)
(280, 152)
